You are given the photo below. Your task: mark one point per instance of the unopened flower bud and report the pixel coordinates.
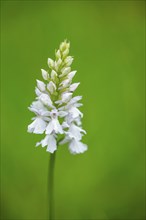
(51, 87)
(68, 60)
(41, 85)
(53, 75)
(65, 53)
(58, 54)
(63, 46)
(72, 74)
(65, 71)
(73, 87)
(45, 75)
(57, 64)
(45, 99)
(50, 63)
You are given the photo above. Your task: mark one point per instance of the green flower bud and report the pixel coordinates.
(50, 63)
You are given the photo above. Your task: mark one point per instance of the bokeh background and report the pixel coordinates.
(107, 41)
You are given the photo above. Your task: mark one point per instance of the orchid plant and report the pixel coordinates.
(56, 109)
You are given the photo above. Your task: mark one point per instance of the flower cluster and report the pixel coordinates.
(56, 110)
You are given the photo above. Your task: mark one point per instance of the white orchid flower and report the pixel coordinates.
(56, 109)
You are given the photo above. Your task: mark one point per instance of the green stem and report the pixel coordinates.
(51, 185)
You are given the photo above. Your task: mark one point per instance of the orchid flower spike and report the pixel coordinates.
(56, 110)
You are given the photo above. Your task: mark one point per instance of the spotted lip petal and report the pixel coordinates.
(50, 142)
(77, 147)
(38, 126)
(75, 132)
(54, 126)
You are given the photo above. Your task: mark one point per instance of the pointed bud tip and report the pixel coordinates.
(45, 74)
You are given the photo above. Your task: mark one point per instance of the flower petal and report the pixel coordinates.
(57, 127)
(75, 99)
(66, 97)
(50, 127)
(77, 147)
(52, 146)
(38, 126)
(75, 132)
(63, 114)
(75, 112)
(37, 92)
(65, 140)
(50, 142)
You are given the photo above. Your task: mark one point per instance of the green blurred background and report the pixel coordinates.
(107, 42)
